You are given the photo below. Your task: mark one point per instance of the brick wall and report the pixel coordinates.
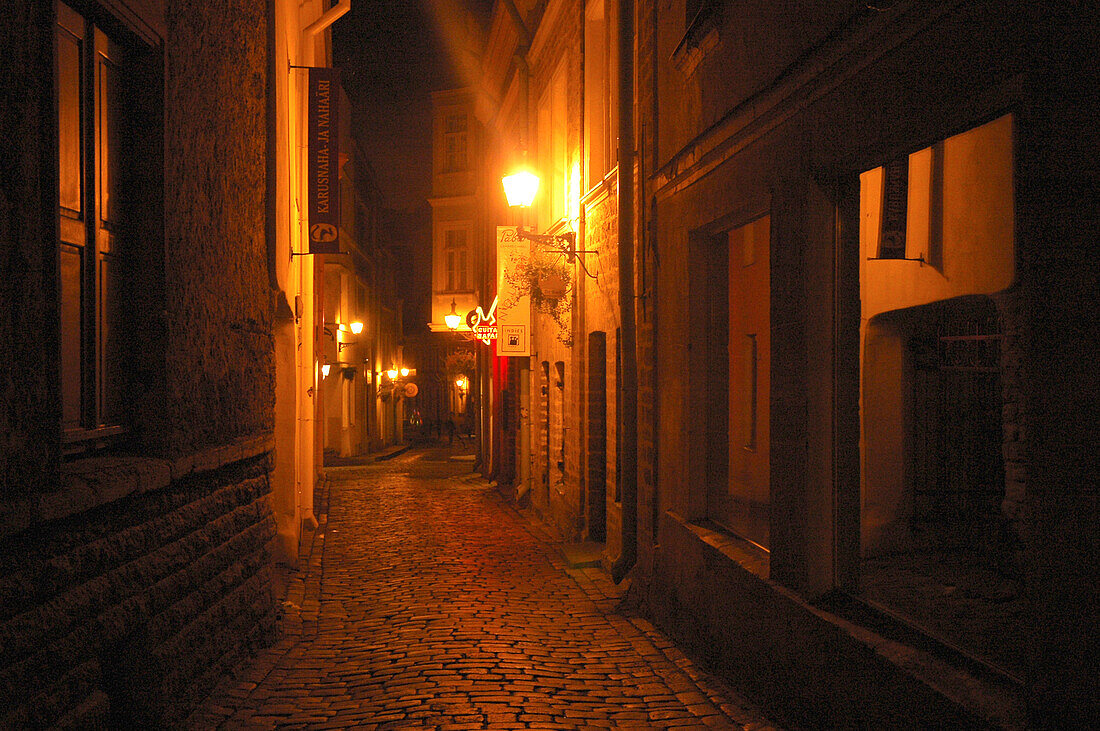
(648, 504)
(601, 315)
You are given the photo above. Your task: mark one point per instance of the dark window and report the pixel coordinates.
(454, 143)
(97, 83)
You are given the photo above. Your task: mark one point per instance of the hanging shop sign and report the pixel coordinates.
(513, 319)
(324, 166)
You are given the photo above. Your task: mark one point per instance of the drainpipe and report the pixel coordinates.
(330, 16)
(628, 387)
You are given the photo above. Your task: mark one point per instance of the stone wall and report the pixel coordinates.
(220, 368)
(124, 614)
(29, 406)
(132, 577)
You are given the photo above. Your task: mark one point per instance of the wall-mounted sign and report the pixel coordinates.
(514, 321)
(323, 205)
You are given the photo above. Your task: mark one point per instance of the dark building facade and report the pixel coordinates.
(863, 265)
(864, 250)
(137, 371)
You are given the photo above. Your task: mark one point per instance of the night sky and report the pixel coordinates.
(393, 54)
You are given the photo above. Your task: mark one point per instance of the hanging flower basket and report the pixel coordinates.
(553, 286)
(548, 280)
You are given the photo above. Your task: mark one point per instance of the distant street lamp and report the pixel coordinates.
(453, 319)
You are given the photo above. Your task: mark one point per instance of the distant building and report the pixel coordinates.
(360, 291)
(463, 275)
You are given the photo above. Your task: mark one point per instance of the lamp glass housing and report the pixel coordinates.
(520, 188)
(356, 327)
(452, 318)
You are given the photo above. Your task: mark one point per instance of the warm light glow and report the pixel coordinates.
(404, 372)
(520, 188)
(356, 327)
(392, 373)
(461, 383)
(324, 370)
(453, 319)
(573, 196)
(485, 328)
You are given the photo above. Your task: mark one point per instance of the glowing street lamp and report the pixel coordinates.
(356, 327)
(453, 319)
(520, 188)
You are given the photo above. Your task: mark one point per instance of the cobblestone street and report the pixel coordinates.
(430, 603)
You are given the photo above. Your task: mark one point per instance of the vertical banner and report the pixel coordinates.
(324, 161)
(513, 297)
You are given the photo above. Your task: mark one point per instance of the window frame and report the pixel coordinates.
(456, 149)
(601, 85)
(92, 236)
(456, 260)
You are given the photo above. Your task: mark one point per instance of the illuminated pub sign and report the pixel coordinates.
(484, 325)
(324, 166)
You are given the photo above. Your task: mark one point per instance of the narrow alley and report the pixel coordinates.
(428, 602)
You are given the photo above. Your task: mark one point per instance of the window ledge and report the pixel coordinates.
(95, 481)
(601, 189)
(747, 555)
(699, 39)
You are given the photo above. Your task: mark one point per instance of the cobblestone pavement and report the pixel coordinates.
(428, 602)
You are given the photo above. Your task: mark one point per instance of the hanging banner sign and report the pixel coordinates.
(324, 161)
(513, 316)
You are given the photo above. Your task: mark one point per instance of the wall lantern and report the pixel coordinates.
(324, 370)
(404, 372)
(354, 328)
(520, 188)
(392, 374)
(453, 319)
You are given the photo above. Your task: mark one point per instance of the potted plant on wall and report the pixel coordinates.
(548, 280)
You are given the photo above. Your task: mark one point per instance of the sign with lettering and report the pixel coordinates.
(895, 204)
(324, 161)
(513, 318)
(483, 324)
